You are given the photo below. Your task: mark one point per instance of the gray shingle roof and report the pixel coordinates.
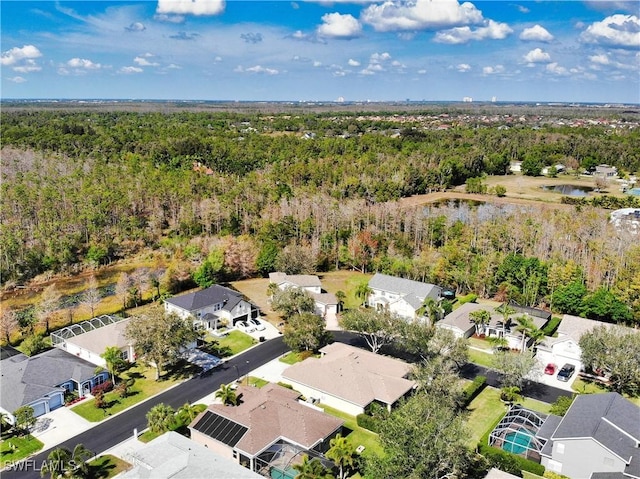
(608, 418)
(206, 297)
(405, 287)
(27, 379)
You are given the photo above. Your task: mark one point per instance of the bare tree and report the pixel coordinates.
(122, 289)
(8, 323)
(91, 297)
(49, 304)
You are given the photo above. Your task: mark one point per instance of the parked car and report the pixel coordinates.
(566, 372)
(550, 369)
(245, 327)
(256, 323)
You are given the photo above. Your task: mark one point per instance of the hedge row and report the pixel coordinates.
(473, 389)
(368, 422)
(508, 462)
(552, 325)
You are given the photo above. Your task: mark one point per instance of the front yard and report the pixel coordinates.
(15, 448)
(144, 387)
(229, 345)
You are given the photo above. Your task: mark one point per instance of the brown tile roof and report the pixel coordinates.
(353, 374)
(272, 412)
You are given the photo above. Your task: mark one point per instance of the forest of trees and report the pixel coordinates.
(249, 193)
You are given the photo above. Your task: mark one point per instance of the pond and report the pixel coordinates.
(569, 190)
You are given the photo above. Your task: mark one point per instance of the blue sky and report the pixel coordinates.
(433, 50)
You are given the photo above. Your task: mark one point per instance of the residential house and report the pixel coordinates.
(326, 303)
(173, 456)
(598, 438)
(212, 307)
(350, 379)
(41, 381)
(565, 347)
(89, 339)
(400, 296)
(270, 428)
(606, 171)
(557, 168)
(460, 323)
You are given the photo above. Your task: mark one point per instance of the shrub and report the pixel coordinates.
(368, 422)
(551, 326)
(102, 388)
(508, 462)
(469, 298)
(501, 191)
(473, 389)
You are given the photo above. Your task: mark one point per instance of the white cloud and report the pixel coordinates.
(463, 67)
(616, 30)
(130, 70)
(336, 25)
(136, 27)
(317, 64)
(557, 69)
(422, 71)
(492, 30)
(536, 33)
(420, 15)
(143, 62)
(256, 69)
(17, 79)
(353, 63)
(190, 7)
(27, 66)
(15, 55)
(537, 56)
(522, 9)
(489, 70)
(600, 59)
(83, 64)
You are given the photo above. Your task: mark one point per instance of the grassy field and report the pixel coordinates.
(478, 357)
(359, 436)
(485, 410)
(16, 448)
(107, 466)
(144, 387)
(536, 405)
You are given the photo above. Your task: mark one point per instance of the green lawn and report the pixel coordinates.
(590, 387)
(485, 410)
(16, 448)
(236, 341)
(292, 357)
(478, 357)
(480, 343)
(536, 405)
(345, 281)
(257, 382)
(359, 436)
(104, 467)
(144, 387)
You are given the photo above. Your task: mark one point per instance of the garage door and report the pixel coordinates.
(39, 409)
(240, 318)
(55, 402)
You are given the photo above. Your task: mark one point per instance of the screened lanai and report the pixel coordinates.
(517, 433)
(59, 336)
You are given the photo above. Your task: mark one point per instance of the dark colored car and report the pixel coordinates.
(566, 372)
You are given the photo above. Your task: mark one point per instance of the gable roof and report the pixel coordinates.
(300, 280)
(608, 418)
(414, 292)
(353, 374)
(206, 297)
(324, 298)
(172, 455)
(270, 413)
(459, 318)
(575, 326)
(26, 379)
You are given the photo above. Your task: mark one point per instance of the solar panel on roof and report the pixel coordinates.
(220, 428)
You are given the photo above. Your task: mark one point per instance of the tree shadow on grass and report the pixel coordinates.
(100, 470)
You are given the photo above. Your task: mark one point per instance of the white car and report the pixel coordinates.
(256, 323)
(245, 327)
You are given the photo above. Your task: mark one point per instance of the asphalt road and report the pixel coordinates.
(119, 428)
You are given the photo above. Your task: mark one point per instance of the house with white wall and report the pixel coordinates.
(400, 296)
(212, 306)
(326, 303)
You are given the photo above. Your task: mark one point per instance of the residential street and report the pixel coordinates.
(119, 428)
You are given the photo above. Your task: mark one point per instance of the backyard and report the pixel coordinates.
(359, 435)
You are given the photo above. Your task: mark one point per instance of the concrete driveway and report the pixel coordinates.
(552, 379)
(59, 425)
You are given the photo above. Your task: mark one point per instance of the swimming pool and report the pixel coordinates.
(634, 191)
(517, 442)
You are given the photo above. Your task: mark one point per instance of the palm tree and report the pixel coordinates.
(5, 421)
(188, 412)
(343, 454)
(113, 357)
(506, 311)
(480, 318)
(362, 292)
(431, 309)
(340, 296)
(272, 289)
(528, 329)
(311, 469)
(227, 395)
(79, 458)
(63, 463)
(160, 418)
